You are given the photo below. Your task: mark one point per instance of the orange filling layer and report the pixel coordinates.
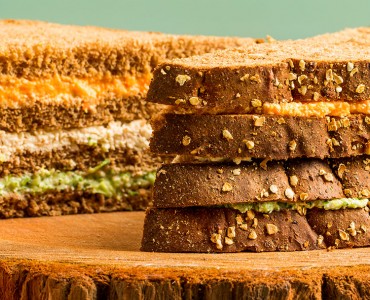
(69, 91)
(317, 109)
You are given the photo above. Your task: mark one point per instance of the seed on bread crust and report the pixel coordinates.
(259, 121)
(181, 79)
(227, 135)
(227, 187)
(271, 229)
(186, 140)
(252, 235)
(360, 88)
(289, 193)
(292, 145)
(249, 144)
(350, 66)
(343, 235)
(293, 180)
(195, 101)
(228, 241)
(231, 232)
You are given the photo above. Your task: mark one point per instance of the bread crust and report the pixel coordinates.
(40, 49)
(196, 229)
(273, 137)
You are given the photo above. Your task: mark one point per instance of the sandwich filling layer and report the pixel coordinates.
(301, 207)
(101, 179)
(69, 91)
(317, 109)
(134, 135)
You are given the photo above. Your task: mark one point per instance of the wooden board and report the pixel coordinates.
(96, 256)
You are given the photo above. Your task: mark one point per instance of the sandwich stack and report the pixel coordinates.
(272, 145)
(73, 130)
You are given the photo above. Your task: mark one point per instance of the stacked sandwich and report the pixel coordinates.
(73, 131)
(271, 143)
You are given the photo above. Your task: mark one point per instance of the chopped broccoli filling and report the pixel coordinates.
(98, 180)
(268, 207)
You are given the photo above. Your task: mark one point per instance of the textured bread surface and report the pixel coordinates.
(184, 185)
(68, 202)
(56, 117)
(208, 230)
(304, 70)
(81, 158)
(260, 136)
(36, 49)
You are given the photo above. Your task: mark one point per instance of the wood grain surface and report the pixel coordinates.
(97, 257)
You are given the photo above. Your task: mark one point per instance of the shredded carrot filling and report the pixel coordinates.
(317, 109)
(69, 91)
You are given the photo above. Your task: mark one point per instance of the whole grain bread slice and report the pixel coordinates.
(209, 184)
(260, 136)
(227, 230)
(304, 70)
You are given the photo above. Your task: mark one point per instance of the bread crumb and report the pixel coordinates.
(236, 172)
(343, 235)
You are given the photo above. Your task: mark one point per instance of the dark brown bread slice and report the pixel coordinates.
(198, 230)
(37, 49)
(354, 175)
(185, 185)
(227, 81)
(227, 230)
(344, 228)
(56, 203)
(260, 136)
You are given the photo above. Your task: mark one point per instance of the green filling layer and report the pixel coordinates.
(268, 207)
(97, 180)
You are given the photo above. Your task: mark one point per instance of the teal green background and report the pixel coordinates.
(281, 19)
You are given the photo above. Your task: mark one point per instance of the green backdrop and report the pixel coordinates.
(281, 18)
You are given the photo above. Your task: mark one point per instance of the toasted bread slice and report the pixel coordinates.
(260, 136)
(227, 230)
(227, 81)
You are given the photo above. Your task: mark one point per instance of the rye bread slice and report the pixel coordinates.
(227, 230)
(70, 202)
(260, 136)
(184, 185)
(227, 81)
(199, 229)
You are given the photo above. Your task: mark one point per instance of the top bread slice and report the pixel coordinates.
(324, 68)
(33, 48)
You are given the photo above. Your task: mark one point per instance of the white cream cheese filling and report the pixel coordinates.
(134, 135)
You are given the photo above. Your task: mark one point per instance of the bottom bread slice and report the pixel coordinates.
(227, 230)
